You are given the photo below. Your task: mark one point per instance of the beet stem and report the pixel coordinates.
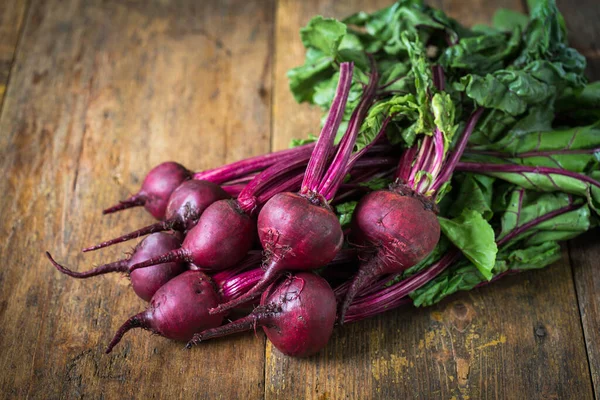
(137, 321)
(324, 147)
(157, 227)
(340, 165)
(367, 274)
(244, 167)
(458, 151)
(134, 201)
(272, 272)
(243, 324)
(179, 255)
(117, 266)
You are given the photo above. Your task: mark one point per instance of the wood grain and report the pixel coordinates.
(12, 14)
(584, 251)
(102, 91)
(511, 340)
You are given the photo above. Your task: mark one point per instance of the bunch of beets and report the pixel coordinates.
(448, 157)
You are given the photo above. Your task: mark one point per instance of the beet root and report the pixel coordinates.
(221, 238)
(296, 234)
(144, 282)
(395, 231)
(156, 189)
(184, 208)
(177, 310)
(297, 314)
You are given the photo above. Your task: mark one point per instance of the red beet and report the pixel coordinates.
(395, 229)
(158, 185)
(177, 310)
(297, 314)
(184, 208)
(298, 234)
(222, 237)
(147, 281)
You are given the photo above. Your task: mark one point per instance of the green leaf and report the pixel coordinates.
(506, 90)
(460, 277)
(474, 236)
(344, 212)
(317, 68)
(323, 34)
(532, 257)
(481, 54)
(300, 142)
(475, 192)
(525, 206)
(507, 20)
(444, 117)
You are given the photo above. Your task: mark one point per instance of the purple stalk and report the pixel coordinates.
(392, 297)
(274, 174)
(484, 168)
(234, 190)
(324, 147)
(439, 80)
(523, 228)
(240, 284)
(245, 167)
(404, 166)
(458, 151)
(340, 164)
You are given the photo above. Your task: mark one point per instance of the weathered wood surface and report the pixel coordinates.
(12, 14)
(584, 252)
(100, 91)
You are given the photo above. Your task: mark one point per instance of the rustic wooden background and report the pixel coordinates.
(94, 93)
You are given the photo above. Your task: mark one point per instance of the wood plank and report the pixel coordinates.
(102, 91)
(12, 14)
(520, 338)
(585, 251)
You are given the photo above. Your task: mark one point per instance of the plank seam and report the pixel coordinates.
(582, 325)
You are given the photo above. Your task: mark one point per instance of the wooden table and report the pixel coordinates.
(94, 93)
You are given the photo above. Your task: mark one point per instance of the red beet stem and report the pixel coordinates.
(179, 255)
(274, 175)
(364, 277)
(117, 266)
(244, 167)
(157, 227)
(458, 151)
(272, 272)
(134, 201)
(324, 147)
(340, 166)
(137, 321)
(247, 323)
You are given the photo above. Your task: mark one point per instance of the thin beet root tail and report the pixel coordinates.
(272, 272)
(179, 255)
(117, 266)
(134, 201)
(243, 324)
(366, 275)
(137, 321)
(157, 227)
